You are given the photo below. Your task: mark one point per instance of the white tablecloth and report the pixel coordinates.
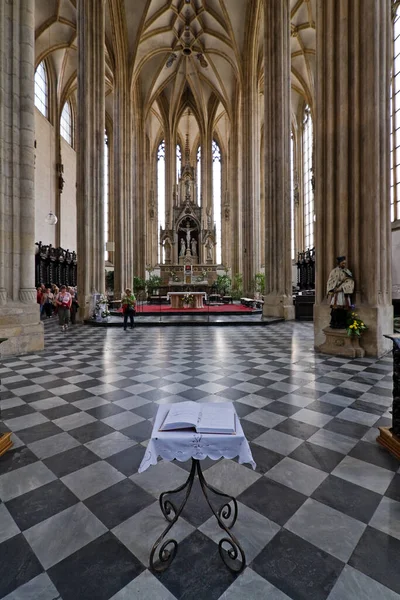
(184, 444)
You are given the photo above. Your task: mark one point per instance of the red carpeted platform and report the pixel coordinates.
(151, 309)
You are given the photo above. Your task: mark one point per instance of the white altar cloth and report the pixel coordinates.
(184, 444)
(177, 298)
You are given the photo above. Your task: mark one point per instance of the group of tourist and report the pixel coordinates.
(61, 301)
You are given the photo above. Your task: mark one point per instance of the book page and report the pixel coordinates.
(217, 418)
(181, 414)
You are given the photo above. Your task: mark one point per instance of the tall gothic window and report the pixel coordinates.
(308, 193)
(395, 125)
(178, 162)
(198, 175)
(42, 89)
(106, 202)
(66, 123)
(161, 191)
(217, 183)
(292, 195)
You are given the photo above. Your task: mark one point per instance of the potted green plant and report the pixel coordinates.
(152, 284)
(237, 286)
(223, 284)
(139, 284)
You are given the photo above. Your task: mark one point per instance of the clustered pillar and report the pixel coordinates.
(19, 312)
(90, 151)
(352, 160)
(278, 266)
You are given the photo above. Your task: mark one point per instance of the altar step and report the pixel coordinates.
(184, 320)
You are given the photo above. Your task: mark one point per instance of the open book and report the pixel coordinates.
(204, 418)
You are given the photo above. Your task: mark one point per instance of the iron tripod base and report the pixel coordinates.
(164, 549)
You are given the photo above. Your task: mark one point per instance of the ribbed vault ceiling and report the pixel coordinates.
(178, 53)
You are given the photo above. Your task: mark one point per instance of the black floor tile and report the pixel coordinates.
(252, 430)
(325, 408)
(15, 385)
(119, 502)
(15, 459)
(265, 459)
(121, 385)
(242, 409)
(328, 380)
(49, 385)
(116, 395)
(346, 392)
(348, 498)
(104, 411)
(354, 430)
(297, 429)
(38, 396)
(383, 392)
(154, 395)
(282, 408)
(317, 456)
(91, 431)
(64, 410)
(309, 393)
(378, 556)
(38, 432)
(69, 461)
(75, 396)
(147, 411)
(272, 499)
(231, 382)
(40, 504)
(375, 454)
(139, 431)
(96, 571)
(298, 568)
(197, 566)
(197, 510)
(16, 411)
(89, 383)
(18, 564)
(368, 407)
(393, 490)
(5, 395)
(195, 394)
(270, 393)
(128, 460)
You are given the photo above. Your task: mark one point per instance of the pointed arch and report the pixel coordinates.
(42, 89)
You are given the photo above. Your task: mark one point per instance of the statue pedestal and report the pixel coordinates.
(5, 442)
(5, 438)
(388, 440)
(339, 343)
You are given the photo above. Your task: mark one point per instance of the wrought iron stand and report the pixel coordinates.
(165, 549)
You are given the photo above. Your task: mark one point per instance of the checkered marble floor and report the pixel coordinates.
(318, 519)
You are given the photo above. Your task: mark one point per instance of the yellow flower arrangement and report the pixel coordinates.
(355, 326)
(188, 300)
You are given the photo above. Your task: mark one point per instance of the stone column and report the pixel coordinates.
(278, 265)
(250, 155)
(90, 151)
(352, 160)
(207, 183)
(235, 196)
(137, 224)
(122, 155)
(19, 312)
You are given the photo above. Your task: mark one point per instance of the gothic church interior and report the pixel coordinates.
(226, 137)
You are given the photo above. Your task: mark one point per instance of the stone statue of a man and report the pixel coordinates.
(339, 288)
